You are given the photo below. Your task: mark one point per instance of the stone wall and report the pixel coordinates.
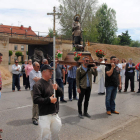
(4, 49)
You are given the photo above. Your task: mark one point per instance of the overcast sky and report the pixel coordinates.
(34, 13)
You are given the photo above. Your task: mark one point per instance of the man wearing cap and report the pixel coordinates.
(34, 76)
(16, 78)
(43, 95)
(129, 75)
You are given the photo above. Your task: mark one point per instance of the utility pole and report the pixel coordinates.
(54, 14)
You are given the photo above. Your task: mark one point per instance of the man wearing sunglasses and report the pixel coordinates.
(16, 78)
(34, 76)
(84, 85)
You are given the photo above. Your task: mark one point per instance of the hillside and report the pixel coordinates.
(125, 52)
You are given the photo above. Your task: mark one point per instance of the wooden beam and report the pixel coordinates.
(28, 41)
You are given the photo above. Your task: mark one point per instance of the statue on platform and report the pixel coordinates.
(76, 30)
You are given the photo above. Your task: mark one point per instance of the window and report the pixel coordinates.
(22, 48)
(15, 47)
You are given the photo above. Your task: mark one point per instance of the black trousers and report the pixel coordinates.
(24, 79)
(86, 93)
(94, 79)
(27, 83)
(16, 82)
(130, 77)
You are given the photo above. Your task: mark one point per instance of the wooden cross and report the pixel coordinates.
(54, 14)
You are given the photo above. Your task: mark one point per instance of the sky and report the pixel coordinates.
(34, 13)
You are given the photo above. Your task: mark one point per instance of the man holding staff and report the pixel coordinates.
(43, 95)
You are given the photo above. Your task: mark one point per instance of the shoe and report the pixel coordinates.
(101, 93)
(80, 116)
(19, 90)
(115, 112)
(138, 92)
(64, 101)
(35, 122)
(108, 112)
(132, 91)
(0, 137)
(13, 90)
(1, 131)
(87, 115)
(75, 98)
(125, 91)
(70, 99)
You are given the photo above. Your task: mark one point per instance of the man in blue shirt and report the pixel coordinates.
(72, 82)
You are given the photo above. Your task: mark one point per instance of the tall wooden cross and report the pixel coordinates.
(54, 14)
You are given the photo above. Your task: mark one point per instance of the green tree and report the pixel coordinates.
(107, 24)
(116, 41)
(125, 39)
(27, 52)
(10, 53)
(135, 43)
(18, 53)
(69, 8)
(91, 33)
(51, 33)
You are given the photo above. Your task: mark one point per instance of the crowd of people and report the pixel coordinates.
(38, 78)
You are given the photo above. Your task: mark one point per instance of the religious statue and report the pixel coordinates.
(38, 56)
(76, 30)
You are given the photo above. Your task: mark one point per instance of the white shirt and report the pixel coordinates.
(32, 75)
(120, 67)
(14, 69)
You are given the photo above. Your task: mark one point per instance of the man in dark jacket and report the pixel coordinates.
(43, 95)
(129, 75)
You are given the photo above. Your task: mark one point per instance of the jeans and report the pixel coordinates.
(60, 84)
(111, 92)
(72, 87)
(137, 74)
(16, 82)
(86, 93)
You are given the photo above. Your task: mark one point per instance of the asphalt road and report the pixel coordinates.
(16, 113)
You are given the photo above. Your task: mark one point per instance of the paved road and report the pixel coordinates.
(16, 109)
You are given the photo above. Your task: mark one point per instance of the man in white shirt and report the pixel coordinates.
(34, 76)
(16, 77)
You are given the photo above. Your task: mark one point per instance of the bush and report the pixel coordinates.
(135, 43)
